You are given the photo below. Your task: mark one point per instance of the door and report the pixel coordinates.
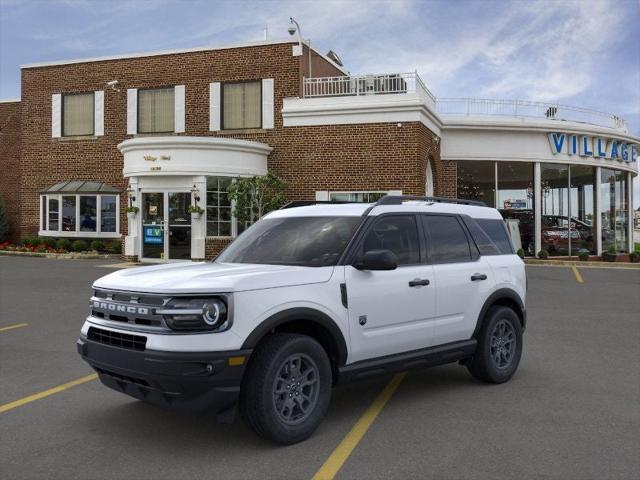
(462, 277)
(391, 311)
(166, 226)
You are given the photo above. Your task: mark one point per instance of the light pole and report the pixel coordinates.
(294, 27)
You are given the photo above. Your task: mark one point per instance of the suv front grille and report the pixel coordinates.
(129, 308)
(117, 339)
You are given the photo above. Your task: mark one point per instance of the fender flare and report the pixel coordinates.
(300, 313)
(500, 294)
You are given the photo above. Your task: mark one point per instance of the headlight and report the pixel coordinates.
(196, 314)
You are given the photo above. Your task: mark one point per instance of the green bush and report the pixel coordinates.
(520, 253)
(79, 246)
(29, 241)
(47, 242)
(583, 256)
(64, 244)
(98, 245)
(114, 247)
(611, 249)
(543, 254)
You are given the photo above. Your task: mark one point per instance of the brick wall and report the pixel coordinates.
(10, 161)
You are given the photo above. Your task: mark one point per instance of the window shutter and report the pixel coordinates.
(179, 111)
(56, 115)
(132, 111)
(322, 195)
(98, 111)
(267, 103)
(214, 106)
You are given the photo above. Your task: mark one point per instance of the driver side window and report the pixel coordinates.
(397, 233)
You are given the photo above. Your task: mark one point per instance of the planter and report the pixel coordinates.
(131, 216)
(196, 215)
(609, 257)
(634, 257)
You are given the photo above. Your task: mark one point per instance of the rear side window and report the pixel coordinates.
(497, 232)
(396, 233)
(447, 241)
(484, 243)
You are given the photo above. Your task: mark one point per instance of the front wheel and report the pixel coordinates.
(287, 387)
(499, 346)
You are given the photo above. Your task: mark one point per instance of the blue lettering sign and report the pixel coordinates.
(634, 153)
(573, 148)
(153, 235)
(614, 150)
(586, 147)
(601, 150)
(557, 142)
(624, 153)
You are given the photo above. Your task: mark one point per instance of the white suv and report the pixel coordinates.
(309, 297)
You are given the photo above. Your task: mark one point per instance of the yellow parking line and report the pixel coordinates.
(11, 327)
(577, 274)
(334, 463)
(37, 396)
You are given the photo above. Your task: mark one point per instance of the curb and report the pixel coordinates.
(577, 263)
(62, 256)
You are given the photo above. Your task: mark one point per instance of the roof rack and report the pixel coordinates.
(306, 203)
(398, 199)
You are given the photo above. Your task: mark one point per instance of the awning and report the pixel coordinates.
(81, 186)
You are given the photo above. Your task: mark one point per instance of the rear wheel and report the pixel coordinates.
(287, 388)
(499, 346)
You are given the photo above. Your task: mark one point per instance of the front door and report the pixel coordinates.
(166, 226)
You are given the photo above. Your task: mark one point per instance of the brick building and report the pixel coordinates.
(160, 131)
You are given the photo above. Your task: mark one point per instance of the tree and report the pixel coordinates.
(256, 196)
(4, 222)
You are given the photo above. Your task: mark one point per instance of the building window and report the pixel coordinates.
(614, 209)
(80, 215)
(360, 197)
(477, 181)
(241, 105)
(515, 202)
(156, 110)
(219, 209)
(78, 114)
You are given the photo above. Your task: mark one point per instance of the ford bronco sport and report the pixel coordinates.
(309, 297)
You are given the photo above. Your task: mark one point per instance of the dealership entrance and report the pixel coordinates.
(166, 226)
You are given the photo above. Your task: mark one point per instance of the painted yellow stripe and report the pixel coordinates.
(37, 396)
(334, 463)
(11, 327)
(577, 274)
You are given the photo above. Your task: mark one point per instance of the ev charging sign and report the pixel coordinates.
(596, 147)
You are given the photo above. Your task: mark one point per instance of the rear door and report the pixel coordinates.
(391, 311)
(463, 278)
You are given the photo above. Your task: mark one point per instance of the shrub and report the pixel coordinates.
(611, 249)
(520, 253)
(28, 241)
(98, 245)
(4, 222)
(64, 244)
(634, 257)
(79, 246)
(583, 256)
(543, 254)
(114, 247)
(47, 242)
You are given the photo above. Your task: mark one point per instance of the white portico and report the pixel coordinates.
(167, 174)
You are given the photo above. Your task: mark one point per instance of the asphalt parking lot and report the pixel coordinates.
(572, 411)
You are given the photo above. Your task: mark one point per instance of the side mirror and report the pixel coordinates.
(377, 260)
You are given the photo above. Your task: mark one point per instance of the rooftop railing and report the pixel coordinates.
(400, 83)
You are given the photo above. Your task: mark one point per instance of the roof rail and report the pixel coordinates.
(306, 203)
(398, 199)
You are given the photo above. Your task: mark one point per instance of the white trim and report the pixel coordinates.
(98, 112)
(56, 115)
(171, 52)
(537, 207)
(322, 195)
(630, 212)
(9, 100)
(214, 107)
(132, 111)
(598, 210)
(268, 106)
(179, 100)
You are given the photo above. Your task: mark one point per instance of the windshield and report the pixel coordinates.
(304, 241)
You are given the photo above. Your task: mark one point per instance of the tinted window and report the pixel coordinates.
(396, 233)
(447, 240)
(304, 241)
(484, 243)
(497, 232)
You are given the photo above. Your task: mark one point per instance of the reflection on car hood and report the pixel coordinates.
(206, 277)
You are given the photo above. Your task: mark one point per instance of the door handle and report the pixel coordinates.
(478, 276)
(419, 282)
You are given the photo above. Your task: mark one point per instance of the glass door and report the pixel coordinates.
(179, 244)
(153, 215)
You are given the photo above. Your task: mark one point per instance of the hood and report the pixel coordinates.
(206, 277)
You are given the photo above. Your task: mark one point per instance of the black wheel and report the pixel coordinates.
(287, 387)
(499, 346)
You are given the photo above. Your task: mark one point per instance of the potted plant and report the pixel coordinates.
(520, 253)
(635, 255)
(131, 212)
(195, 211)
(543, 254)
(610, 255)
(583, 256)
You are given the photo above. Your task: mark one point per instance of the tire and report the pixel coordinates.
(273, 405)
(499, 346)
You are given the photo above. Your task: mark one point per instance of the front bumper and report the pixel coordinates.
(194, 381)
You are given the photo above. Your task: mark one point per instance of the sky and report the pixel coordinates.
(579, 52)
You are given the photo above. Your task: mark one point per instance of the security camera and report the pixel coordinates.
(112, 83)
(292, 29)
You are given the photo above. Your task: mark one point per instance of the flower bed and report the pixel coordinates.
(53, 246)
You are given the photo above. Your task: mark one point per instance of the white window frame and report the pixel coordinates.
(78, 233)
(348, 192)
(95, 115)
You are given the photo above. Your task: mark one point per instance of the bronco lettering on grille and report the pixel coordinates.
(117, 307)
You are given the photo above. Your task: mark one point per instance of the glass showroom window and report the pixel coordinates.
(477, 181)
(581, 204)
(80, 215)
(516, 200)
(555, 208)
(364, 197)
(156, 110)
(77, 114)
(241, 105)
(614, 209)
